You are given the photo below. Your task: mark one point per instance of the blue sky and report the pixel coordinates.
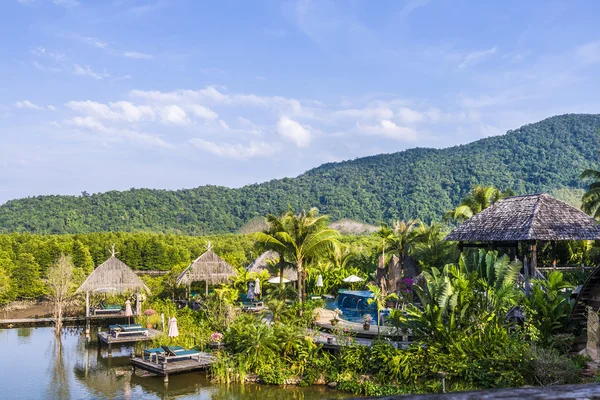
(109, 95)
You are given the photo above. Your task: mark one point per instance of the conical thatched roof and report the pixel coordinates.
(113, 274)
(262, 264)
(529, 217)
(208, 267)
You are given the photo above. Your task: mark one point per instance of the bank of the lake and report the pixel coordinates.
(34, 366)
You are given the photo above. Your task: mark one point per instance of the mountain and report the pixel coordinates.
(417, 183)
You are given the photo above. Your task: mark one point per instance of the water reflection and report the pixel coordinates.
(59, 384)
(35, 364)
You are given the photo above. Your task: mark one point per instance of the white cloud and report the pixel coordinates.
(476, 57)
(202, 112)
(100, 44)
(87, 71)
(243, 151)
(389, 130)
(45, 68)
(116, 134)
(224, 125)
(27, 104)
(132, 113)
(294, 132)
(137, 55)
(120, 110)
(43, 52)
(173, 114)
(51, 108)
(409, 116)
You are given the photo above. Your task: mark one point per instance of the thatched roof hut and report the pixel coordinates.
(527, 218)
(115, 275)
(262, 264)
(209, 267)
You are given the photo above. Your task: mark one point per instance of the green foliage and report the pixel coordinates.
(548, 307)
(548, 367)
(25, 276)
(478, 200)
(417, 183)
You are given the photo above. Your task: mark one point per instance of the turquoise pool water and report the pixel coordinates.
(354, 304)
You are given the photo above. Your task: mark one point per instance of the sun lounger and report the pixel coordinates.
(150, 354)
(135, 329)
(171, 354)
(253, 306)
(107, 309)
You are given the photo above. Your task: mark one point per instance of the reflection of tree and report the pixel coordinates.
(60, 381)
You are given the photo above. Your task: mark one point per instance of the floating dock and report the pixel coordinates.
(164, 368)
(107, 339)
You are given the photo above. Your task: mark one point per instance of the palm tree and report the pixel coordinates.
(480, 198)
(300, 237)
(591, 198)
(379, 300)
(398, 239)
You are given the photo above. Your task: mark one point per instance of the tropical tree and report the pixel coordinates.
(300, 237)
(432, 250)
(591, 198)
(480, 198)
(398, 239)
(59, 283)
(378, 299)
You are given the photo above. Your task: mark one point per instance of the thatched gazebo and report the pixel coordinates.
(209, 268)
(113, 275)
(262, 263)
(528, 219)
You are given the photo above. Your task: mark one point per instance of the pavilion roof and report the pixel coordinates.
(208, 267)
(528, 217)
(113, 274)
(262, 263)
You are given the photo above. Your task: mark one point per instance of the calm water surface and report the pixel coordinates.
(34, 365)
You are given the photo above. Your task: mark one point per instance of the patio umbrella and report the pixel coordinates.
(257, 287)
(353, 278)
(173, 331)
(128, 312)
(320, 281)
(278, 280)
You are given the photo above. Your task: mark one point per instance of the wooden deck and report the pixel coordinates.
(80, 319)
(204, 361)
(356, 329)
(104, 338)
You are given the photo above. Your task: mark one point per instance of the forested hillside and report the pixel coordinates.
(420, 182)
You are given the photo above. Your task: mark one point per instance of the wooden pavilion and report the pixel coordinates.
(262, 264)
(209, 268)
(112, 276)
(525, 219)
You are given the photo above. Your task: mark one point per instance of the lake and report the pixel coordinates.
(35, 365)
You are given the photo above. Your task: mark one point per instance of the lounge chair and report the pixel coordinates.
(253, 306)
(107, 309)
(172, 354)
(134, 329)
(149, 354)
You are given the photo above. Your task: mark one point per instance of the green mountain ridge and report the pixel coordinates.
(416, 183)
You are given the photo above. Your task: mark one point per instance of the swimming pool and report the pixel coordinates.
(354, 304)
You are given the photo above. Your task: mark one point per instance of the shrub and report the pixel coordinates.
(548, 367)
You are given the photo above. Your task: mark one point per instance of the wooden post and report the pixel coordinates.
(138, 303)
(533, 258)
(526, 269)
(206, 286)
(87, 304)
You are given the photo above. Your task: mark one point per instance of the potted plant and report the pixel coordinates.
(215, 339)
(336, 313)
(391, 300)
(149, 313)
(367, 320)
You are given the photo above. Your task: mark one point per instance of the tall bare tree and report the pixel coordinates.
(60, 276)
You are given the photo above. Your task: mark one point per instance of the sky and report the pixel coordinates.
(102, 95)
